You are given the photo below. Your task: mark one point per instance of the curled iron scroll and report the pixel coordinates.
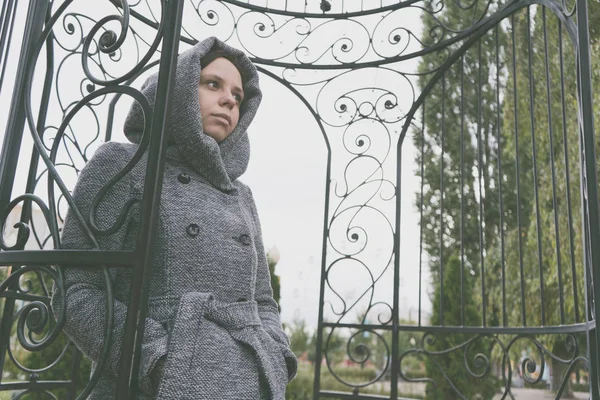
(37, 316)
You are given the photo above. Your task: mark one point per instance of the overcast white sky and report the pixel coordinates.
(287, 175)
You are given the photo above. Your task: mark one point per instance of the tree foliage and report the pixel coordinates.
(498, 155)
(457, 362)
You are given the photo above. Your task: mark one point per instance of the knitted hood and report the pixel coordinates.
(219, 163)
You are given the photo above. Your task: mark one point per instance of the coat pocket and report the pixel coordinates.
(175, 383)
(204, 361)
(289, 359)
(223, 367)
(275, 351)
(163, 309)
(272, 363)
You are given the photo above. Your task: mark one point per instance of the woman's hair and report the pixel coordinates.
(214, 54)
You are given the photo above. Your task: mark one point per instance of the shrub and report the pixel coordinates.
(301, 388)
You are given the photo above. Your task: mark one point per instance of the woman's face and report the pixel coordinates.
(220, 93)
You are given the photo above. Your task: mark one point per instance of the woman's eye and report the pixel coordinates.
(238, 98)
(212, 84)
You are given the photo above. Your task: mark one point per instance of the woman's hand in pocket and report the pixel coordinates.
(157, 373)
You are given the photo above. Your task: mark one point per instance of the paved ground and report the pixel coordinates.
(418, 390)
(408, 388)
(535, 394)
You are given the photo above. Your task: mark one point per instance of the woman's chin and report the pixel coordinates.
(217, 134)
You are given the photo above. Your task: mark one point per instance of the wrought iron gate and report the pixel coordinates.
(500, 114)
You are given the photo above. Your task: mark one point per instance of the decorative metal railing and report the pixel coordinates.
(496, 100)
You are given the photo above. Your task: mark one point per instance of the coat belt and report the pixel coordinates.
(232, 315)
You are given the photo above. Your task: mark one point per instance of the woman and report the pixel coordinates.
(212, 329)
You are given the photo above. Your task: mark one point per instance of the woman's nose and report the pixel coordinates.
(228, 100)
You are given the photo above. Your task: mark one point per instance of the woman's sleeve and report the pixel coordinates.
(85, 288)
(267, 306)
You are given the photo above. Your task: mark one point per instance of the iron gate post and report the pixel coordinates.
(9, 156)
(589, 185)
(16, 116)
(136, 311)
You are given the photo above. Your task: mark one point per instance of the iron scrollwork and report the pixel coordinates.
(503, 349)
(322, 56)
(74, 38)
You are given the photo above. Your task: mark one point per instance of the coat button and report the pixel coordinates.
(193, 230)
(245, 240)
(184, 178)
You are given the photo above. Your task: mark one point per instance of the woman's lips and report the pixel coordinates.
(223, 118)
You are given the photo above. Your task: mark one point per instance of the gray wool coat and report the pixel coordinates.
(211, 311)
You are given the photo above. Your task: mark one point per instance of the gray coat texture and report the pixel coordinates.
(211, 310)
